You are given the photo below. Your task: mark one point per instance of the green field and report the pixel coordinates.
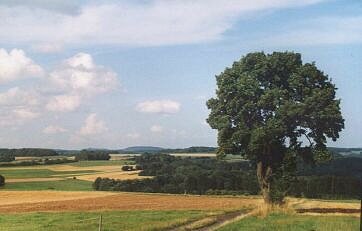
(100, 163)
(37, 173)
(85, 221)
(285, 222)
(61, 185)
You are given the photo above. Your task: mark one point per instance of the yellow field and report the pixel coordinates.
(26, 201)
(113, 175)
(114, 172)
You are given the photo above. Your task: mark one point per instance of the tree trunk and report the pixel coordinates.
(264, 172)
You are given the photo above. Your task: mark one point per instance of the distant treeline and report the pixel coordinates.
(36, 162)
(35, 152)
(195, 149)
(211, 176)
(92, 155)
(155, 150)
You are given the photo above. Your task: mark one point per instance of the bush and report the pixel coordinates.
(92, 155)
(2, 180)
(7, 157)
(127, 168)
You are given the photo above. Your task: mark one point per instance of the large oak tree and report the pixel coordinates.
(272, 108)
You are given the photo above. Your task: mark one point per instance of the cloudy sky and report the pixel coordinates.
(76, 74)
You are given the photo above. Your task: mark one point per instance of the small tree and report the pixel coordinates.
(2, 180)
(272, 108)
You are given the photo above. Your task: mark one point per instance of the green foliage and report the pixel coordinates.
(7, 157)
(127, 168)
(2, 180)
(266, 104)
(92, 155)
(28, 152)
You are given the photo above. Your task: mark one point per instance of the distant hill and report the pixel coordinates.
(151, 149)
(142, 149)
(346, 152)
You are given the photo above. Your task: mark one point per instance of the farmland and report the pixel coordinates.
(77, 176)
(60, 197)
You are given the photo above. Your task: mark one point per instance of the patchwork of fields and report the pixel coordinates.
(33, 194)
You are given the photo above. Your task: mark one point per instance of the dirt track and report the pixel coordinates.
(123, 201)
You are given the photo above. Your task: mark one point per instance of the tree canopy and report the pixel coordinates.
(271, 108)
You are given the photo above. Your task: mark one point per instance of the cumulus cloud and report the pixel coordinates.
(16, 65)
(156, 129)
(19, 97)
(79, 78)
(133, 23)
(17, 116)
(18, 106)
(53, 129)
(63, 103)
(92, 126)
(159, 106)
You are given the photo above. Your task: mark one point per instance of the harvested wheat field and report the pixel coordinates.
(92, 201)
(24, 197)
(113, 175)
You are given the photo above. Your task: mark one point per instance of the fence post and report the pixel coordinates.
(100, 223)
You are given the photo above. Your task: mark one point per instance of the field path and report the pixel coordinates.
(213, 222)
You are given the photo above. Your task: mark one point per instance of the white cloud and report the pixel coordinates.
(79, 78)
(16, 65)
(156, 129)
(25, 114)
(63, 103)
(159, 106)
(17, 97)
(132, 23)
(320, 31)
(92, 126)
(53, 129)
(18, 106)
(17, 116)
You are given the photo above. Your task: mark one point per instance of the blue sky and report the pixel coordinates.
(112, 74)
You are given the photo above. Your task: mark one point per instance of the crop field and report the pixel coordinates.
(60, 197)
(76, 176)
(85, 221)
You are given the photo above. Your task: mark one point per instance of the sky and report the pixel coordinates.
(112, 74)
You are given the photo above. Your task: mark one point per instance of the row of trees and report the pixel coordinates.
(35, 152)
(210, 176)
(92, 155)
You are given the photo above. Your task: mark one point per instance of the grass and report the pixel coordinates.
(92, 163)
(36, 173)
(84, 221)
(64, 185)
(287, 222)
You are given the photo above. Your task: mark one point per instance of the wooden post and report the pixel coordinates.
(100, 223)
